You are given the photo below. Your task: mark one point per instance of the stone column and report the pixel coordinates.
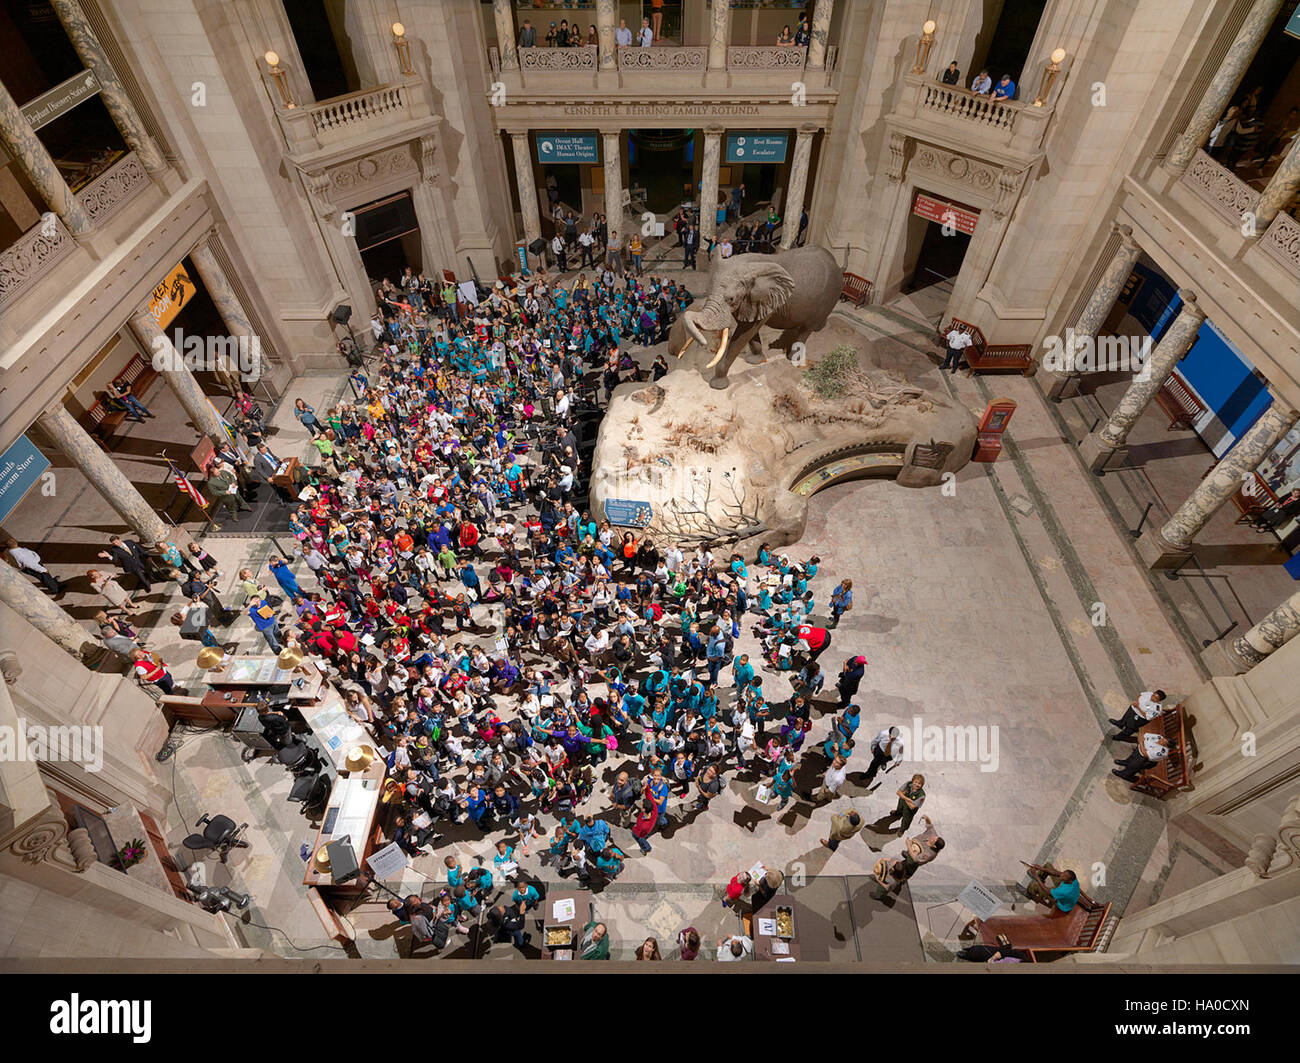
(1176, 342)
(505, 17)
(41, 611)
(527, 186)
(248, 355)
(1271, 633)
(171, 365)
(606, 22)
(820, 27)
(1174, 540)
(103, 474)
(1281, 187)
(1099, 305)
(1231, 70)
(21, 141)
(709, 181)
(719, 35)
(794, 195)
(111, 90)
(613, 155)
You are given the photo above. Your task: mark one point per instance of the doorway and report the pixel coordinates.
(388, 237)
(938, 257)
(662, 162)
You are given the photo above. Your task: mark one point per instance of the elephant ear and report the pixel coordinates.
(768, 289)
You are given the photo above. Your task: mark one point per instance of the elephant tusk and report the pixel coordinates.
(688, 319)
(722, 348)
(689, 341)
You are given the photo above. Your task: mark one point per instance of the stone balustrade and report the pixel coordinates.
(1221, 189)
(34, 254)
(765, 58)
(361, 119)
(661, 58)
(560, 59)
(1281, 242)
(114, 188)
(970, 107)
(343, 115)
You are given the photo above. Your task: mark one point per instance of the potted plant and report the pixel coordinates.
(131, 854)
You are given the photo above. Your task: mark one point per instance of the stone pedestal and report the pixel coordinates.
(1157, 552)
(1097, 456)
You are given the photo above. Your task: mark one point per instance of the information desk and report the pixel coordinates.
(336, 729)
(353, 810)
(303, 683)
(806, 943)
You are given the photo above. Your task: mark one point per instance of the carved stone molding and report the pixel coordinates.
(897, 146)
(83, 848)
(663, 58)
(769, 58)
(46, 840)
(32, 256)
(114, 188)
(1281, 242)
(1218, 186)
(356, 175)
(569, 59)
(956, 168)
(429, 158)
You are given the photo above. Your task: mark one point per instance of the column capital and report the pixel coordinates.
(807, 129)
(714, 130)
(1190, 306)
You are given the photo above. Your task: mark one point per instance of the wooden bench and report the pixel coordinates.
(1043, 936)
(1175, 398)
(857, 290)
(104, 418)
(985, 357)
(1253, 504)
(1174, 772)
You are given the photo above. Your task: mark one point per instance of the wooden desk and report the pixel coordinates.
(244, 672)
(353, 809)
(582, 913)
(803, 924)
(334, 726)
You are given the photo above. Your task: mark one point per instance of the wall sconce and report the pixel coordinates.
(1049, 75)
(403, 48)
(281, 78)
(923, 46)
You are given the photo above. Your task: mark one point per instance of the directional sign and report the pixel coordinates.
(20, 467)
(567, 147)
(757, 147)
(60, 99)
(626, 513)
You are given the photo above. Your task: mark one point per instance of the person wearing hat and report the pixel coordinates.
(850, 678)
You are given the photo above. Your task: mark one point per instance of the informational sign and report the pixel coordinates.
(757, 147)
(166, 300)
(20, 467)
(521, 251)
(567, 147)
(388, 862)
(979, 900)
(626, 513)
(61, 99)
(960, 218)
(1293, 23)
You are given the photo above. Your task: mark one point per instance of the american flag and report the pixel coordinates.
(184, 484)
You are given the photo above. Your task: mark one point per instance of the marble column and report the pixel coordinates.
(171, 365)
(103, 474)
(41, 611)
(1280, 190)
(248, 352)
(1176, 342)
(606, 22)
(719, 34)
(613, 156)
(527, 186)
(21, 141)
(709, 184)
(1100, 304)
(1271, 633)
(111, 90)
(505, 16)
(820, 28)
(1232, 68)
(1225, 479)
(794, 195)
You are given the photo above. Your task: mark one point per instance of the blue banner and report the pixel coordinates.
(627, 513)
(20, 467)
(567, 147)
(757, 147)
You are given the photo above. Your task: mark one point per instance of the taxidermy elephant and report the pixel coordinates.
(794, 291)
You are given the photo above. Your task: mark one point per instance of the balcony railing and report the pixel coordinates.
(569, 59)
(1226, 193)
(970, 107)
(32, 256)
(632, 59)
(1281, 242)
(766, 58)
(354, 119)
(114, 188)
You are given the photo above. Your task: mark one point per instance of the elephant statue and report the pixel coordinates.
(794, 291)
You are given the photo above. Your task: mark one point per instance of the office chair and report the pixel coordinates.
(219, 834)
(299, 758)
(311, 790)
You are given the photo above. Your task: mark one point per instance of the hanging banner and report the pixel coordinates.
(61, 99)
(20, 467)
(945, 213)
(166, 300)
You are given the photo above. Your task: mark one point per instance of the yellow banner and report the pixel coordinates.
(172, 294)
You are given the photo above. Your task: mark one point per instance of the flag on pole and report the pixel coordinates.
(182, 481)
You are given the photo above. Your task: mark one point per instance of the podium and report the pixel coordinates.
(287, 472)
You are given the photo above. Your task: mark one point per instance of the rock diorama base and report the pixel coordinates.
(740, 464)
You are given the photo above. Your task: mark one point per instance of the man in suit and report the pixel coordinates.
(265, 464)
(225, 452)
(133, 558)
(223, 490)
(690, 246)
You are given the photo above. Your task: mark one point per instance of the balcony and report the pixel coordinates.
(358, 121)
(954, 117)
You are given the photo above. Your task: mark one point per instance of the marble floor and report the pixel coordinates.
(976, 609)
